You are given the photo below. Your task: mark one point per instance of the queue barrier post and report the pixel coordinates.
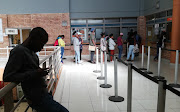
(129, 88)
(148, 62)
(142, 61)
(116, 98)
(97, 61)
(105, 85)
(175, 84)
(161, 96)
(101, 77)
(159, 66)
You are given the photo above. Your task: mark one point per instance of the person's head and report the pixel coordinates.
(121, 34)
(74, 33)
(38, 37)
(111, 36)
(62, 36)
(102, 35)
(93, 30)
(79, 34)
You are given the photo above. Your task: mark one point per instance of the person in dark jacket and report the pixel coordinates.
(23, 67)
(160, 44)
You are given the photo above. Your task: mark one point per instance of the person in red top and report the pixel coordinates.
(120, 44)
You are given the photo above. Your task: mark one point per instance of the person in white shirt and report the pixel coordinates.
(103, 43)
(76, 44)
(111, 45)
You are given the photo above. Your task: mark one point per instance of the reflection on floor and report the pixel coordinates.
(83, 94)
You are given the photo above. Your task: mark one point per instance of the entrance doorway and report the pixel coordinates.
(20, 37)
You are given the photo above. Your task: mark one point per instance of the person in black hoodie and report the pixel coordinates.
(23, 67)
(160, 43)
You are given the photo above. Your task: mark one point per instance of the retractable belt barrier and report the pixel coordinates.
(97, 61)
(101, 77)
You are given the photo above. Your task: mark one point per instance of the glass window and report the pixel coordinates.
(95, 21)
(112, 20)
(80, 21)
(81, 30)
(169, 12)
(15, 39)
(129, 20)
(150, 17)
(114, 30)
(160, 15)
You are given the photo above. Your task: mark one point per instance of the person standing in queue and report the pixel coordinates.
(111, 46)
(92, 43)
(62, 45)
(103, 43)
(23, 67)
(120, 45)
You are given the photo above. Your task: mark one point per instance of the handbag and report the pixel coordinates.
(92, 48)
(136, 49)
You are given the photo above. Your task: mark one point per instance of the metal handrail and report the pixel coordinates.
(10, 86)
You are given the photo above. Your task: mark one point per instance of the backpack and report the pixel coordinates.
(56, 43)
(138, 39)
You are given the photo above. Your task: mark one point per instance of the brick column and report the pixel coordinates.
(142, 28)
(175, 40)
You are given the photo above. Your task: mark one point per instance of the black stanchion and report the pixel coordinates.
(105, 85)
(116, 98)
(129, 88)
(161, 96)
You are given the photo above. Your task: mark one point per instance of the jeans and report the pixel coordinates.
(92, 55)
(120, 51)
(157, 54)
(77, 57)
(48, 105)
(62, 53)
(130, 52)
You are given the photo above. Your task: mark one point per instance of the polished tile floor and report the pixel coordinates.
(82, 93)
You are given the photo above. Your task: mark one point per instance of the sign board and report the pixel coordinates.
(1, 31)
(169, 19)
(11, 31)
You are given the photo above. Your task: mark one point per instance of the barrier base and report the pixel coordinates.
(148, 72)
(105, 86)
(159, 77)
(97, 71)
(142, 69)
(101, 78)
(175, 85)
(116, 99)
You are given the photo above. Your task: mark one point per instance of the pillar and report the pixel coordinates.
(175, 40)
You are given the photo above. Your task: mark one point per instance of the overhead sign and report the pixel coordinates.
(11, 31)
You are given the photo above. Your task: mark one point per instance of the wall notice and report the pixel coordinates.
(1, 31)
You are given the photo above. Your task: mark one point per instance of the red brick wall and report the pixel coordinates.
(142, 28)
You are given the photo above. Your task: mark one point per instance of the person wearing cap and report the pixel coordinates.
(62, 44)
(92, 43)
(76, 44)
(120, 44)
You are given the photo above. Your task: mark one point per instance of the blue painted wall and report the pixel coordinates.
(150, 6)
(104, 8)
(33, 6)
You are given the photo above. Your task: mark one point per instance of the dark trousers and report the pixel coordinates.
(80, 53)
(47, 104)
(92, 55)
(157, 54)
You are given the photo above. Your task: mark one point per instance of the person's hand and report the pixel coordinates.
(43, 71)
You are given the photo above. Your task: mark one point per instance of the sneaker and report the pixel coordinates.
(128, 60)
(93, 62)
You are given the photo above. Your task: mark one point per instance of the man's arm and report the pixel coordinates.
(14, 69)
